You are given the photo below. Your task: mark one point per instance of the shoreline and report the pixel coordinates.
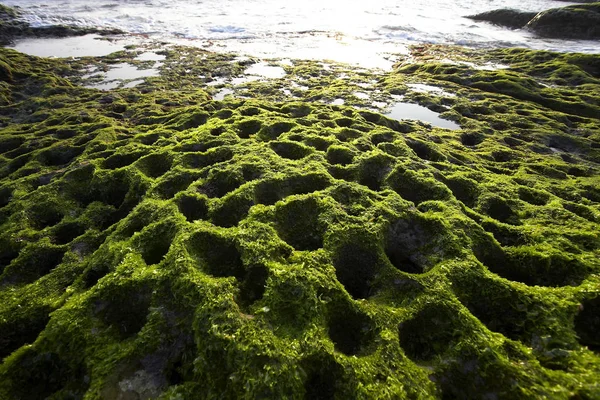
(344, 46)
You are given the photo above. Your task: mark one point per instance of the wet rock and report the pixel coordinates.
(12, 27)
(508, 17)
(572, 22)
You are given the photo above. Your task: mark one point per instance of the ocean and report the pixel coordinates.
(359, 32)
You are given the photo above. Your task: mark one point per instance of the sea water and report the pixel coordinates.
(360, 32)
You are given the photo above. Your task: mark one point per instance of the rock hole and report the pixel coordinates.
(464, 189)
(499, 209)
(174, 375)
(59, 155)
(148, 139)
(65, 133)
(216, 255)
(488, 252)
(382, 137)
(32, 264)
(218, 131)
(416, 188)
(22, 151)
(350, 330)
(533, 268)
(126, 309)
(297, 110)
(277, 129)
(66, 232)
(290, 150)
(248, 127)
(253, 286)
(211, 157)
(271, 191)
(373, 170)
(344, 122)
(587, 324)
(44, 214)
(415, 244)
(121, 160)
(249, 111)
(506, 235)
(317, 143)
(348, 134)
(155, 165)
(94, 273)
(533, 196)
(5, 196)
(193, 207)
(231, 209)
(40, 375)
(340, 155)
(188, 121)
(112, 188)
(7, 255)
(430, 333)
(9, 143)
(173, 183)
(297, 222)
(402, 242)
(15, 165)
(591, 193)
(424, 150)
(500, 308)
(137, 220)
(221, 182)
(224, 114)
(581, 211)
(356, 264)
(471, 139)
(155, 241)
(322, 376)
(21, 330)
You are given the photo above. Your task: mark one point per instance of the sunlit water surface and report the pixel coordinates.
(360, 32)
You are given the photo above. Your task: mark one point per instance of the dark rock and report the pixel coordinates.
(571, 22)
(12, 27)
(579, 1)
(505, 17)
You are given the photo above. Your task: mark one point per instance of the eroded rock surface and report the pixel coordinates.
(157, 243)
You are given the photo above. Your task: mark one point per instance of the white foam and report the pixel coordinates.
(351, 31)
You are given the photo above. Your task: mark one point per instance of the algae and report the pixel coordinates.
(157, 243)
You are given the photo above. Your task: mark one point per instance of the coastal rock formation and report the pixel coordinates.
(12, 27)
(510, 18)
(158, 244)
(571, 22)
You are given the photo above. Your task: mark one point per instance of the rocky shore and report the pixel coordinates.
(12, 27)
(206, 234)
(580, 21)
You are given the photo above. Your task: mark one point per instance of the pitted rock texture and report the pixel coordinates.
(257, 249)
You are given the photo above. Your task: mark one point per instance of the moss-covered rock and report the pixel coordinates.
(156, 243)
(13, 27)
(571, 22)
(508, 17)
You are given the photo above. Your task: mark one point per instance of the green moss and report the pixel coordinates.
(157, 244)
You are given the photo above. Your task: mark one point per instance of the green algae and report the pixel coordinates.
(156, 243)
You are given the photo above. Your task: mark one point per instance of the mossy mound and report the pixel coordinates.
(580, 21)
(257, 249)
